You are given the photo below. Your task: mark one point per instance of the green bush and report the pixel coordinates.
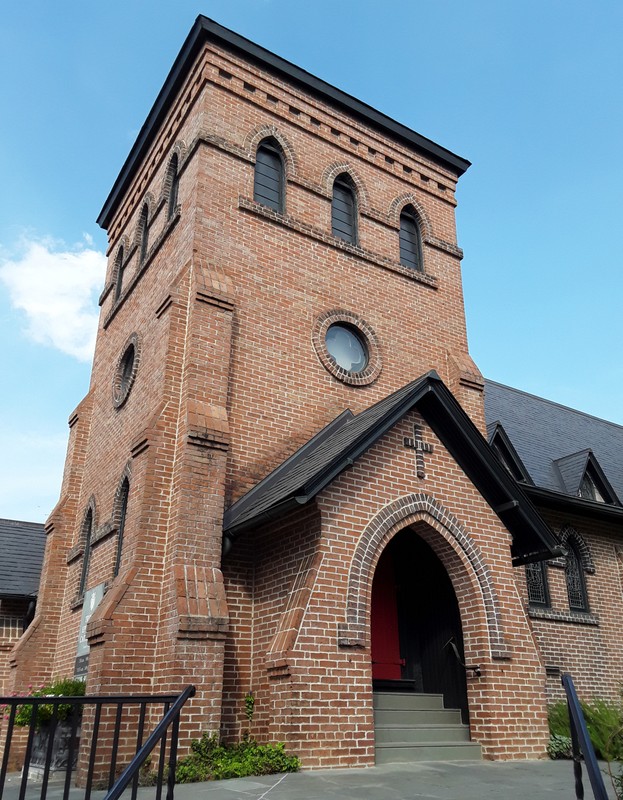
(559, 746)
(604, 721)
(211, 760)
(63, 687)
(558, 719)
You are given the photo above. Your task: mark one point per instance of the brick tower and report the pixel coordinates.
(282, 398)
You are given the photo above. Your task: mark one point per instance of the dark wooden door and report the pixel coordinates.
(427, 620)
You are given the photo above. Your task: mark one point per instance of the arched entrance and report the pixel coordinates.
(417, 639)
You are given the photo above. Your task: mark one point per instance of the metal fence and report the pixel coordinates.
(106, 741)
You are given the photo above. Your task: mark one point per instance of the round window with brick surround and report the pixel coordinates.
(347, 347)
(125, 372)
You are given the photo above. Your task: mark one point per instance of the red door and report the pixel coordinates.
(386, 661)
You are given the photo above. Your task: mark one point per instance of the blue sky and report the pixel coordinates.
(529, 91)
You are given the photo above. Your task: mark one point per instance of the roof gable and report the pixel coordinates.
(557, 445)
(315, 465)
(504, 450)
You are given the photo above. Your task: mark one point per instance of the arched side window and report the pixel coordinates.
(410, 240)
(538, 588)
(118, 271)
(268, 185)
(87, 535)
(344, 209)
(122, 511)
(144, 233)
(574, 573)
(172, 181)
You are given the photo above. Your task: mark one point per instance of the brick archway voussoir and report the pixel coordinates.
(353, 632)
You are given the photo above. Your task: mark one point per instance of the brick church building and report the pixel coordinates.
(280, 480)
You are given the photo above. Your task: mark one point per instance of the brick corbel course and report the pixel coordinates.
(201, 602)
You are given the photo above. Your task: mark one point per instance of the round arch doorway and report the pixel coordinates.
(417, 638)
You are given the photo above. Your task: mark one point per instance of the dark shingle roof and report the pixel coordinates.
(21, 557)
(552, 440)
(337, 446)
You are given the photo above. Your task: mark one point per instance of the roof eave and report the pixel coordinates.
(204, 29)
(579, 505)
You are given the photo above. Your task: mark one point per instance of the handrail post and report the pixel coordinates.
(581, 741)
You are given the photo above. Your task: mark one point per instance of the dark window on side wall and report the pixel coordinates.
(538, 590)
(576, 585)
(123, 510)
(343, 222)
(87, 534)
(410, 241)
(269, 179)
(173, 181)
(144, 232)
(119, 267)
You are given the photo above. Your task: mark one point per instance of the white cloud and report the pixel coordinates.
(56, 287)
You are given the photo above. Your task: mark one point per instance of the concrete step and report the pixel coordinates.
(422, 734)
(405, 752)
(423, 716)
(407, 700)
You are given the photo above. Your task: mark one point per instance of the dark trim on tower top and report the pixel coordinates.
(206, 29)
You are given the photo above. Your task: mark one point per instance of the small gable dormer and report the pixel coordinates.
(506, 453)
(581, 476)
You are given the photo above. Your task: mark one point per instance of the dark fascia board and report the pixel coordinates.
(606, 487)
(499, 432)
(206, 29)
(577, 505)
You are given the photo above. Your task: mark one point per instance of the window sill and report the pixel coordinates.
(574, 617)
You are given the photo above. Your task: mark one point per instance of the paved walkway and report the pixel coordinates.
(458, 780)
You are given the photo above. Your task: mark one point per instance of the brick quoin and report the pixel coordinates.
(225, 306)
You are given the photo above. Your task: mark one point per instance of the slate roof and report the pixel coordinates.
(336, 447)
(553, 441)
(21, 557)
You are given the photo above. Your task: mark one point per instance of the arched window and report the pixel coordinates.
(410, 240)
(144, 233)
(343, 209)
(268, 186)
(87, 535)
(122, 512)
(119, 267)
(574, 572)
(172, 181)
(538, 589)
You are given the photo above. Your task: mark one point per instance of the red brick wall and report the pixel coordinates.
(228, 384)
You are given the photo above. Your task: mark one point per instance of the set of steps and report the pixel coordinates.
(417, 727)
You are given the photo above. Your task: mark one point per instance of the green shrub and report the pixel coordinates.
(211, 760)
(558, 719)
(559, 746)
(62, 687)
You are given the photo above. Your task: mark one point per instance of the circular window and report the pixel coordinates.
(125, 373)
(347, 347)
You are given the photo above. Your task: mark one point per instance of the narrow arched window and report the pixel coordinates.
(410, 240)
(144, 232)
(538, 589)
(87, 535)
(343, 210)
(173, 180)
(268, 186)
(122, 511)
(118, 271)
(576, 585)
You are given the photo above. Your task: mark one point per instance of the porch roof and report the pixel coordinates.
(311, 468)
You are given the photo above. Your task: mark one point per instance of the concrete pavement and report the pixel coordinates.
(464, 780)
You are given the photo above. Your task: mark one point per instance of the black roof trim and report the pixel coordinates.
(496, 432)
(205, 29)
(576, 505)
(532, 538)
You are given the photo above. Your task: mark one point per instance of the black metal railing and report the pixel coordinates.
(109, 733)
(582, 745)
